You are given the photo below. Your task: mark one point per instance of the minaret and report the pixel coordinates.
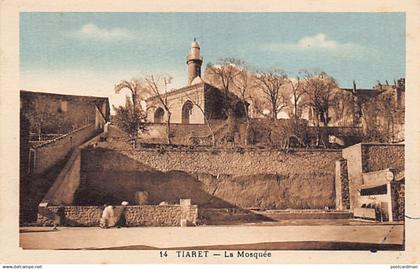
(194, 61)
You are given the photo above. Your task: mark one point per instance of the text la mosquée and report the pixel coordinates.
(248, 254)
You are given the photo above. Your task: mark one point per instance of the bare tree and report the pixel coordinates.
(259, 106)
(156, 84)
(297, 97)
(319, 90)
(271, 84)
(343, 104)
(381, 116)
(243, 86)
(197, 101)
(223, 73)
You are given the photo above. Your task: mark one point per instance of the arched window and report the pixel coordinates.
(159, 115)
(186, 112)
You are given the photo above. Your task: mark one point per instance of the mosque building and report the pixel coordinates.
(195, 102)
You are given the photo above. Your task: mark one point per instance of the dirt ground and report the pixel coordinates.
(350, 236)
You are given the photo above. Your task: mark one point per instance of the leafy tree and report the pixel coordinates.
(130, 119)
(148, 86)
(137, 90)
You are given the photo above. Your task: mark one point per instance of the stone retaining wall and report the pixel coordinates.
(236, 162)
(144, 215)
(213, 179)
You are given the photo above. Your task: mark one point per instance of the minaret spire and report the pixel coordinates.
(194, 61)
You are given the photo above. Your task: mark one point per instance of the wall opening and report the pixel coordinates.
(374, 191)
(186, 112)
(159, 115)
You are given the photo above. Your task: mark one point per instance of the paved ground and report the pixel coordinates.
(354, 236)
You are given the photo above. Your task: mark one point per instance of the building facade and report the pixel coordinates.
(49, 113)
(51, 125)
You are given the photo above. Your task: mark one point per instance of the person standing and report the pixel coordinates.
(59, 217)
(107, 217)
(121, 219)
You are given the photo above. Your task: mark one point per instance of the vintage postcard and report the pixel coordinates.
(220, 133)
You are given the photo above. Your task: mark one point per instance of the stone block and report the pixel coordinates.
(141, 197)
(185, 202)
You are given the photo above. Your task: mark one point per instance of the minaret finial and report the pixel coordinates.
(194, 39)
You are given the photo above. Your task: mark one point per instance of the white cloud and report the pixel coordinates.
(319, 43)
(92, 32)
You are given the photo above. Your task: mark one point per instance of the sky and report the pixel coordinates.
(88, 53)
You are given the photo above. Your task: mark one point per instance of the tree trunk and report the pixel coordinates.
(326, 118)
(232, 126)
(213, 139)
(168, 128)
(247, 124)
(317, 132)
(274, 112)
(39, 133)
(134, 143)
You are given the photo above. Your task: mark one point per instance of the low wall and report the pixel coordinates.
(295, 214)
(217, 216)
(144, 215)
(53, 151)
